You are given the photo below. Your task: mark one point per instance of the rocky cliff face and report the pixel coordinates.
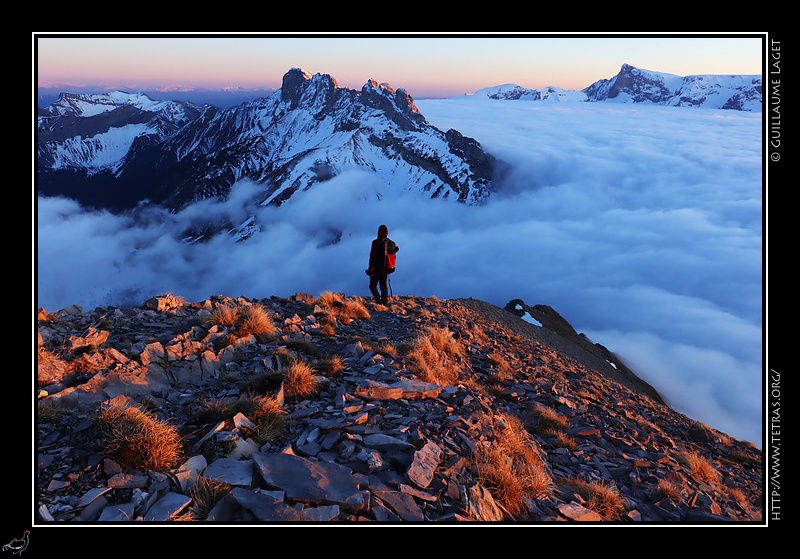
(371, 435)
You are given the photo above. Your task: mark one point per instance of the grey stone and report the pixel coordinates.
(91, 495)
(417, 388)
(230, 471)
(186, 476)
(117, 513)
(309, 481)
(402, 504)
(127, 481)
(382, 441)
(424, 464)
(373, 460)
(481, 504)
(379, 391)
(325, 513)
(574, 511)
(265, 507)
(224, 510)
(167, 507)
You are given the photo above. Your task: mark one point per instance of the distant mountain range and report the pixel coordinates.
(115, 150)
(634, 85)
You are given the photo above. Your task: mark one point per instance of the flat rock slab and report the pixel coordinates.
(167, 507)
(231, 471)
(309, 481)
(417, 388)
(381, 441)
(267, 508)
(402, 504)
(574, 511)
(424, 464)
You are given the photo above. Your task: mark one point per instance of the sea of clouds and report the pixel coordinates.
(641, 225)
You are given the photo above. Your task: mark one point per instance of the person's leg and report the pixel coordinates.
(373, 287)
(384, 289)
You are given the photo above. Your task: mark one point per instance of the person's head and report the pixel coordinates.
(383, 232)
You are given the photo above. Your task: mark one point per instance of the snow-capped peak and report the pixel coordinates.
(308, 132)
(636, 85)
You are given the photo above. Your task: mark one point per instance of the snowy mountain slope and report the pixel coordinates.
(634, 85)
(96, 132)
(742, 93)
(514, 92)
(306, 133)
(87, 105)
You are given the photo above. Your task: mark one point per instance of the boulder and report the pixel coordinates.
(424, 464)
(309, 481)
(91, 337)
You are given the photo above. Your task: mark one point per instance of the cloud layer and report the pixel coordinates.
(640, 225)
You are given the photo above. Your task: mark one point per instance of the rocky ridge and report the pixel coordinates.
(637, 85)
(374, 441)
(306, 133)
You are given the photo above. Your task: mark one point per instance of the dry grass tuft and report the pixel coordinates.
(244, 321)
(302, 346)
(546, 422)
(332, 365)
(513, 469)
(436, 356)
(344, 309)
(205, 494)
(601, 497)
(547, 418)
(224, 315)
(263, 410)
(137, 440)
(254, 320)
(48, 412)
(328, 323)
(299, 380)
(700, 467)
(504, 369)
(668, 489)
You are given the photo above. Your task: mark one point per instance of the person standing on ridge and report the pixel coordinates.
(381, 264)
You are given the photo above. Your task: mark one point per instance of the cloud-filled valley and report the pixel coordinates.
(641, 225)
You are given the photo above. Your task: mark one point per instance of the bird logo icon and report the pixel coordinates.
(18, 545)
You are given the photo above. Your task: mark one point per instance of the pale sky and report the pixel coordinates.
(430, 66)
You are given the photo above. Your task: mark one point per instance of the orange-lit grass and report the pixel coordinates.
(299, 380)
(547, 422)
(224, 315)
(331, 364)
(601, 497)
(205, 494)
(328, 323)
(668, 489)
(344, 309)
(254, 320)
(504, 370)
(244, 321)
(548, 419)
(137, 440)
(436, 356)
(513, 468)
(263, 410)
(700, 467)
